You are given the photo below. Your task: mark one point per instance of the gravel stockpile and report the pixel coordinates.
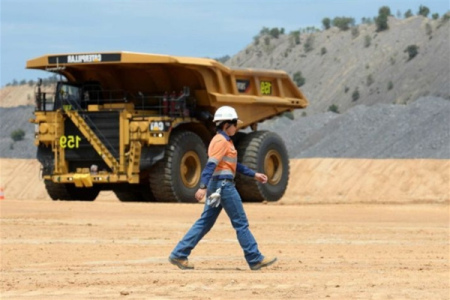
(418, 130)
(12, 119)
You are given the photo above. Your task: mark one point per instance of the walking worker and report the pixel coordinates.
(218, 176)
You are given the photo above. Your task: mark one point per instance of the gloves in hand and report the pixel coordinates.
(214, 199)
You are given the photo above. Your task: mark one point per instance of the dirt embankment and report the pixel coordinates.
(311, 181)
(12, 96)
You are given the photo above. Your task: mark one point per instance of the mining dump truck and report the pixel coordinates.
(139, 125)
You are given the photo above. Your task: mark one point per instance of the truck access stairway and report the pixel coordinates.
(93, 139)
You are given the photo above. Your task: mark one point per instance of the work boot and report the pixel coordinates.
(183, 264)
(264, 263)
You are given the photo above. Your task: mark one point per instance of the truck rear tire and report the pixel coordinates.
(266, 153)
(176, 177)
(60, 191)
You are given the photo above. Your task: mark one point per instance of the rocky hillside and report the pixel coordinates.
(402, 110)
(337, 63)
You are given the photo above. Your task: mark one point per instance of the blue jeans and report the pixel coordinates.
(232, 203)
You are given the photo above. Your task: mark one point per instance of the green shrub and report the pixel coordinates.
(368, 21)
(355, 95)
(334, 108)
(264, 31)
(355, 32)
(435, 16)
(309, 43)
(412, 51)
(428, 29)
(289, 115)
(369, 80)
(323, 51)
(299, 79)
(17, 135)
(367, 41)
(390, 85)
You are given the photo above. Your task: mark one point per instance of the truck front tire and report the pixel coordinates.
(61, 191)
(176, 177)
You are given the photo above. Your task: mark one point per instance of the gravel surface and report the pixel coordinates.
(418, 130)
(12, 119)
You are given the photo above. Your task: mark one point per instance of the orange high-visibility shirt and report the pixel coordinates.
(222, 161)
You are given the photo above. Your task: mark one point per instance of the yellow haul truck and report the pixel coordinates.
(139, 125)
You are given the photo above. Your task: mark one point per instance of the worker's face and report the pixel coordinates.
(231, 128)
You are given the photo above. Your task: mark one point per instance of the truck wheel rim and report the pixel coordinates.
(273, 167)
(190, 169)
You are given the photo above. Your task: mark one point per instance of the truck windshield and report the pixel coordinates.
(67, 94)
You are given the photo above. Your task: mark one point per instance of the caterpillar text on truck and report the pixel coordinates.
(138, 124)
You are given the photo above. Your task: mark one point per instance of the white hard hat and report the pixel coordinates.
(225, 113)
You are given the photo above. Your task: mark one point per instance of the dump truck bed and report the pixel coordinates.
(256, 94)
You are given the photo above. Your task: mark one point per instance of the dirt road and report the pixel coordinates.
(107, 249)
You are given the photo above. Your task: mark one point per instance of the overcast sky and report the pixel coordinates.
(199, 28)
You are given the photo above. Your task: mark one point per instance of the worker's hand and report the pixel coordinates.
(200, 194)
(261, 177)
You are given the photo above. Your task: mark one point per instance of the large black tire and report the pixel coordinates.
(134, 193)
(59, 191)
(176, 177)
(266, 153)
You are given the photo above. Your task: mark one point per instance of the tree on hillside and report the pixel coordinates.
(294, 37)
(223, 59)
(274, 32)
(423, 11)
(264, 31)
(384, 10)
(343, 23)
(367, 21)
(256, 40)
(435, 16)
(382, 20)
(408, 14)
(309, 43)
(326, 23)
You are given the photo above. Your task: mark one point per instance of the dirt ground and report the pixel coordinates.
(107, 249)
(381, 233)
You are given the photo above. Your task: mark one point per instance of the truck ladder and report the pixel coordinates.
(93, 139)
